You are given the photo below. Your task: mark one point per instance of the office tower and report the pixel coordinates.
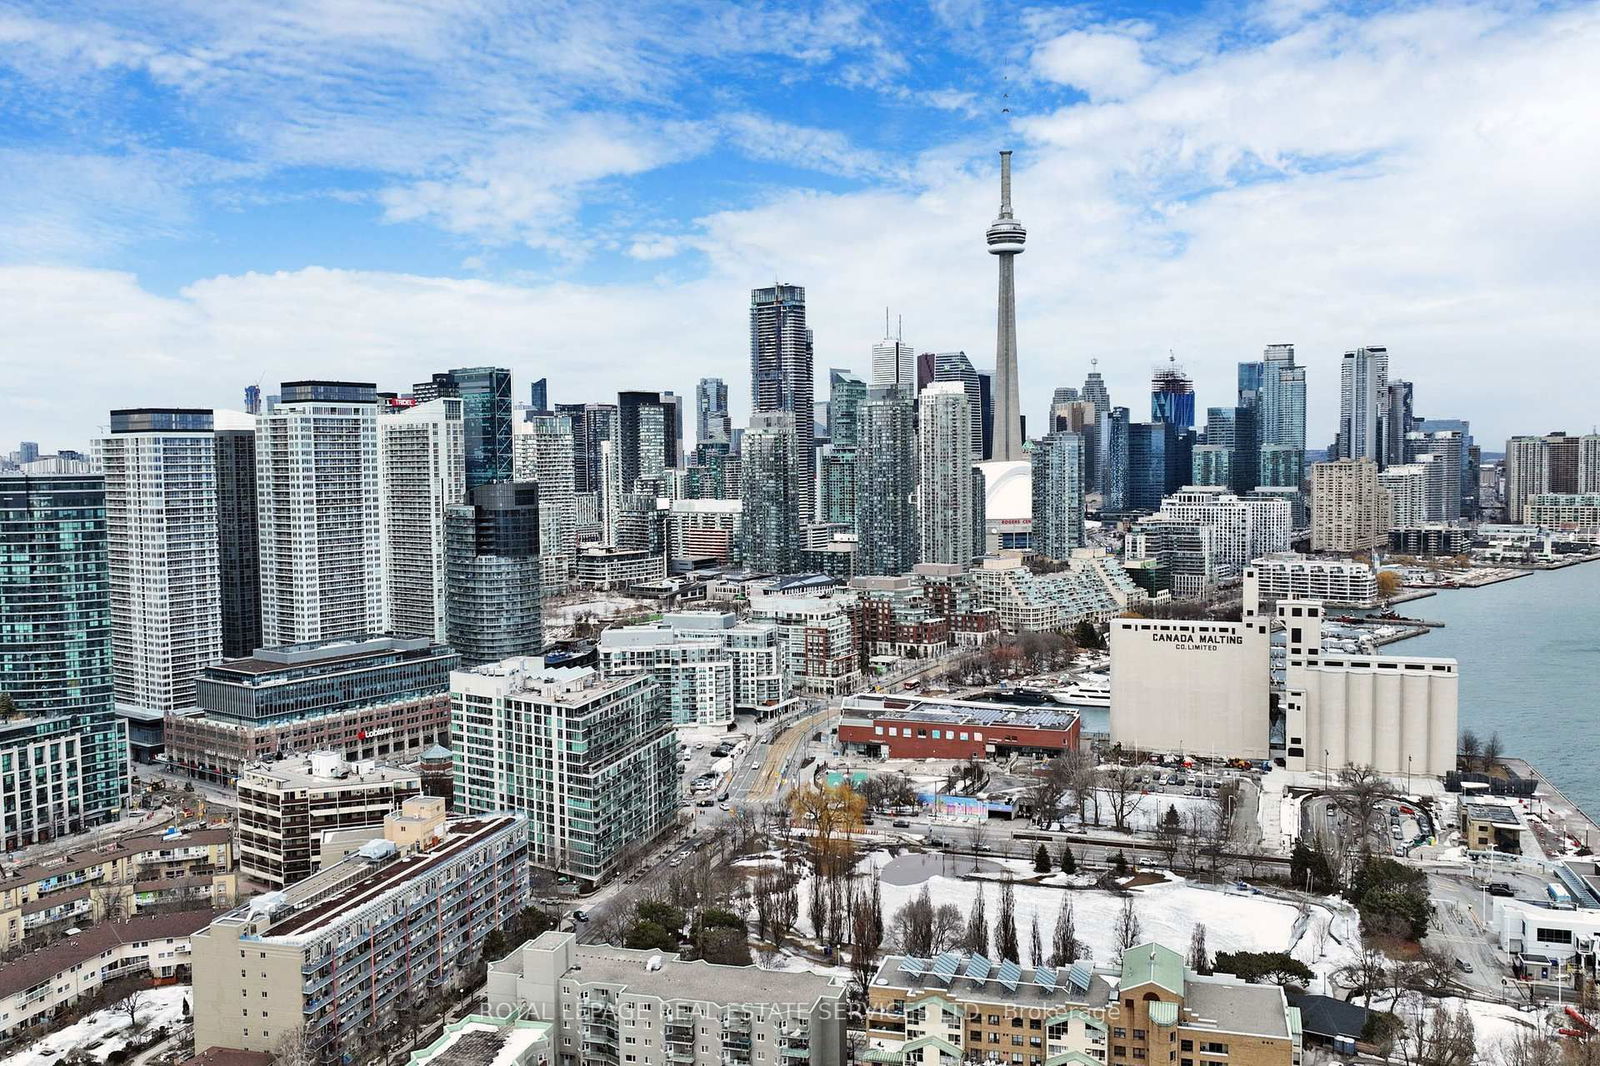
(1005, 238)
(1250, 377)
(1094, 390)
(846, 394)
(893, 360)
(1064, 394)
(1234, 430)
(238, 550)
(955, 366)
(421, 473)
(1282, 466)
(986, 411)
(647, 436)
(712, 422)
(1469, 464)
(317, 498)
(1172, 396)
(944, 474)
(542, 454)
(161, 537)
(772, 512)
(485, 393)
(781, 374)
(1527, 472)
(886, 482)
(1114, 460)
(55, 660)
(539, 397)
(1160, 460)
(1349, 508)
(1364, 404)
(591, 761)
(1058, 496)
(438, 385)
(924, 370)
(492, 573)
(252, 399)
(378, 697)
(673, 415)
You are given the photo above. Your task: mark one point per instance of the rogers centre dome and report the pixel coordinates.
(1008, 491)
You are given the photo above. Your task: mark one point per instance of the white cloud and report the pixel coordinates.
(1106, 66)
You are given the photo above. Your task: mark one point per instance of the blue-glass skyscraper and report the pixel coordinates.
(1172, 397)
(55, 660)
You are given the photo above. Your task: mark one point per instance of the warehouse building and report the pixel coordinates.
(917, 727)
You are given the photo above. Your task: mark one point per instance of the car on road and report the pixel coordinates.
(707, 802)
(675, 861)
(1500, 888)
(1464, 966)
(900, 823)
(582, 916)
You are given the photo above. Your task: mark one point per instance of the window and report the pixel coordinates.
(1120, 1034)
(1212, 1047)
(1553, 936)
(994, 1019)
(1016, 1023)
(1016, 1041)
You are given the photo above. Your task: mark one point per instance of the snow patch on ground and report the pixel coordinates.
(104, 1031)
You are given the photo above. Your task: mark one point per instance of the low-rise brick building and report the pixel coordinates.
(928, 727)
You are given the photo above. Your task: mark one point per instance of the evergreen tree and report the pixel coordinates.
(976, 941)
(1041, 860)
(1069, 864)
(1064, 942)
(1199, 958)
(1035, 946)
(1005, 924)
(1119, 863)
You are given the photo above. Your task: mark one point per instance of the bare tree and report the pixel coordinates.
(1492, 751)
(1123, 794)
(1471, 748)
(1199, 958)
(1064, 941)
(1362, 792)
(133, 1005)
(1129, 929)
(1528, 1049)
(948, 926)
(866, 938)
(978, 833)
(1081, 776)
(1051, 784)
(1005, 923)
(1437, 1037)
(1035, 947)
(111, 902)
(976, 941)
(291, 1049)
(913, 926)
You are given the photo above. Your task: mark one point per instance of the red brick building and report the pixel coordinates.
(928, 727)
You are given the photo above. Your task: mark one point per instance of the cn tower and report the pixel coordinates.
(1006, 237)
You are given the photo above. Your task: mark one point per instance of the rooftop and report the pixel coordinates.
(328, 652)
(482, 1041)
(116, 849)
(977, 977)
(958, 712)
(343, 890)
(1229, 1005)
(21, 974)
(699, 980)
(323, 770)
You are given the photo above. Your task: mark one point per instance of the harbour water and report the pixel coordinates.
(1530, 655)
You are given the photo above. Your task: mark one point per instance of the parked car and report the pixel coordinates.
(1464, 966)
(1500, 888)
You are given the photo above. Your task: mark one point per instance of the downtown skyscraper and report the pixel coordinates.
(781, 374)
(944, 474)
(1281, 418)
(542, 453)
(1005, 238)
(317, 488)
(492, 573)
(886, 482)
(770, 531)
(161, 537)
(1058, 494)
(238, 539)
(421, 473)
(712, 424)
(1364, 404)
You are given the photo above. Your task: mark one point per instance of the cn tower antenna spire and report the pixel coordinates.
(1005, 237)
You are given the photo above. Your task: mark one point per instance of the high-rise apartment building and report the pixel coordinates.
(486, 420)
(1349, 508)
(492, 573)
(713, 425)
(986, 411)
(68, 750)
(1005, 238)
(162, 547)
(317, 493)
(1588, 462)
(539, 397)
(846, 394)
(1242, 528)
(542, 451)
(1527, 472)
(1364, 404)
(592, 762)
(1410, 494)
(421, 474)
(781, 374)
(955, 366)
(1466, 451)
(238, 543)
(1058, 494)
(886, 480)
(647, 437)
(772, 509)
(944, 474)
(1398, 422)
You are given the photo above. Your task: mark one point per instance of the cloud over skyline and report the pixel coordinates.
(203, 195)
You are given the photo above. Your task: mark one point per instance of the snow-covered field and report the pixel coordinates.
(1167, 913)
(104, 1031)
(1494, 1025)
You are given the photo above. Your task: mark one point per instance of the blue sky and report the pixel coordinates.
(201, 194)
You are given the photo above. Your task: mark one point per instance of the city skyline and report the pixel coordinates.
(388, 238)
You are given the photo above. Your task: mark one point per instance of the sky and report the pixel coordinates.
(198, 195)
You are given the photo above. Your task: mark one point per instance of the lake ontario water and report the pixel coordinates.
(1529, 651)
